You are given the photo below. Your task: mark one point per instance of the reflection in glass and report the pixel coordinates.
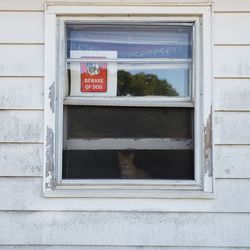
(132, 41)
(153, 82)
(142, 60)
(139, 80)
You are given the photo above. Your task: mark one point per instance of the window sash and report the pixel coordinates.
(157, 63)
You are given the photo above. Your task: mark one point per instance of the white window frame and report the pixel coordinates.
(55, 18)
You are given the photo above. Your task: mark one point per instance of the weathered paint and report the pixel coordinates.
(128, 2)
(232, 61)
(229, 6)
(22, 27)
(21, 126)
(21, 93)
(50, 160)
(232, 127)
(237, 24)
(208, 146)
(232, 94)
(25, 195)
(128, 143)
(21, 159)
(232, 161)
(15, 62)
(23, 5)
(71, 247)
(52, 95)
(122, 228)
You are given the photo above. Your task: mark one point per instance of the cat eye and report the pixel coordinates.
(129, 101)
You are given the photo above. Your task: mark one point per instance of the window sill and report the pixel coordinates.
(190, 190)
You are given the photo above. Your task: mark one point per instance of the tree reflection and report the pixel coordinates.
(142, 84)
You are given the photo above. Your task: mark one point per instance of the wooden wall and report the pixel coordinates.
(30, 221)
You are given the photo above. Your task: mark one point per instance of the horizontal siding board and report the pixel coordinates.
(21, 60)
(232, 161)
(231, 5)
(232, 61)
(119, 228)
(21, 126)
(70, 247)
(21, 159)
(35, 5)
(21, 27)
(232, 128)
(26, 194)
(230, 28)
(232, 94)
(232, 195)
(21, 93)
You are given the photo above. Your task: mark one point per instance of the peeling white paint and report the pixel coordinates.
(50, 160)
(52, 96)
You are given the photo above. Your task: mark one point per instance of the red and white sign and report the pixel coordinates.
(94, 76)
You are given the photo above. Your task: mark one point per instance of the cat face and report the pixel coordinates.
(126, 161)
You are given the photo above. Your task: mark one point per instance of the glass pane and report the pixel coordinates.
(140, 80)
(132, 41)
(129, 60)
(135, 79)
(128, 122)
(136, 164)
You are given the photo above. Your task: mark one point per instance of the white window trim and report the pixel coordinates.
(203, 185)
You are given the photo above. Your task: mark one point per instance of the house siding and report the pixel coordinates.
(30, 221)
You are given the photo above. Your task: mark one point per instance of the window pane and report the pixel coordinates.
(155, 80)
(139, 164)
(128, 122)
(132, 41)
(134, 79)
(129, 60)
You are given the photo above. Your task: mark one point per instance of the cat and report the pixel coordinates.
(128, 169)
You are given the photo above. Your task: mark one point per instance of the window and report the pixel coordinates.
(125, 111)
(118, 135)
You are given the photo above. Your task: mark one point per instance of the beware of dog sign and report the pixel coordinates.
(94, 76)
